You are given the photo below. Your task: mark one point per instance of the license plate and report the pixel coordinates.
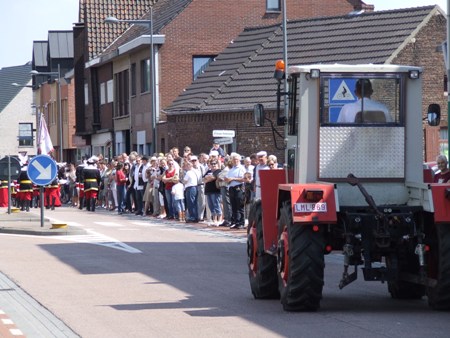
(310, 207)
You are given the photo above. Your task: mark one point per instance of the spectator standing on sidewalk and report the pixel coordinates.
(212, 193)
(102, 188)
(216, 147)
(148, 193)
(200, 171)
(226, 204)
(235, 180)
(139, 186)
(175, 152)
(121, 182)
(214, 156)
(144, 165)
(160, 193)
(130, 197)
(190, 181)
(170, 178)
(262, 165)
(178, 201)
(177, 167)
(113, 186)
(203, 208)
(248, 185)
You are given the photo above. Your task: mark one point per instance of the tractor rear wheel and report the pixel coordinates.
(262, 267)
(300, 263)
(439, 267)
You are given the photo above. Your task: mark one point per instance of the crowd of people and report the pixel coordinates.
(209, 187)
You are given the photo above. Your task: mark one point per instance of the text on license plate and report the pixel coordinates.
(310, 207)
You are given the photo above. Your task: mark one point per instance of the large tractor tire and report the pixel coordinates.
(404, 262)
(262, 267)
(439, 268)
(300, 263)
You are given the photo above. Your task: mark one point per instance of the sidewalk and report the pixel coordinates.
(27, 223)
(28, 317)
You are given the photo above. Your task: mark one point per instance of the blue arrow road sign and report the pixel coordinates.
(42, 170)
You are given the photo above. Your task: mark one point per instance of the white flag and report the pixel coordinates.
(45, 142)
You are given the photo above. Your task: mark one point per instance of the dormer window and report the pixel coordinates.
(273, 5)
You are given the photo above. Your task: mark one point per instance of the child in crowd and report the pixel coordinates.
(178, 198)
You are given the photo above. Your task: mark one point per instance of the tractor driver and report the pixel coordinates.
(363, 91)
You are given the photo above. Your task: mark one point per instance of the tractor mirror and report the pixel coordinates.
(258, 115)
(434, 114)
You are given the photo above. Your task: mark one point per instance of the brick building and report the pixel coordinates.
(112, 69)
(53, 62)
(223, 97)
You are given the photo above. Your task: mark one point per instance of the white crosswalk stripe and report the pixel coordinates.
(96, 238)
(109, 224)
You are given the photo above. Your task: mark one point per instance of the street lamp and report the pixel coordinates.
(58, 74)
(148, 23)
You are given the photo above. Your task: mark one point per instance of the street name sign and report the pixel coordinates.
(223, 140)
(224, 133)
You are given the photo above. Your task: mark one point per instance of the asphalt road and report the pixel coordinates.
(130, 276)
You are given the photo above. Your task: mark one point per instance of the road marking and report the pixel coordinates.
(109, 224)
(91, 238)
(75, 224)
(8, 327)
(96, 238)
(16, 332)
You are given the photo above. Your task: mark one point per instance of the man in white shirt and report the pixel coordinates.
(363, 90)
(190, 181)
(200, 170)
(262, 165)
(235, 183)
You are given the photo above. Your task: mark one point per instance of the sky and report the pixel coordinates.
(25, 21)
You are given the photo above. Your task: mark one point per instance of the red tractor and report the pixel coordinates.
(353, 182)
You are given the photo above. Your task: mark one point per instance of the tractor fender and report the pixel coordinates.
(311, 203)
(441, 202)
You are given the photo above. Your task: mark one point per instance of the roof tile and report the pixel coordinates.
(246, 65)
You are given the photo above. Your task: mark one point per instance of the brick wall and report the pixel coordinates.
(425, 51)
(196, 131)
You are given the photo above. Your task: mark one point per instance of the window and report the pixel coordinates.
(52, 113)
(86, 94)
(145, 75)
(109, 91)
(133, 79)
(102, 93)
(199, 64)
(273, 5)
(361, 101)
(26, 134)
(121, 99)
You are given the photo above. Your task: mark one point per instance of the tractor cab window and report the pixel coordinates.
(359, 100)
